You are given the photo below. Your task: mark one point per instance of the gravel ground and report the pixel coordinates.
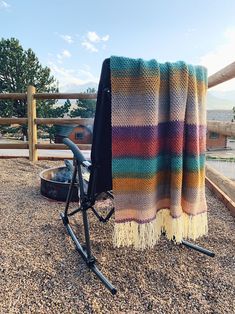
(41, 272)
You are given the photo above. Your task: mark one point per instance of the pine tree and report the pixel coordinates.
(85, 107)
(20, 68)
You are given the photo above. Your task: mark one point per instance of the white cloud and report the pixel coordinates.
(95, 38)
(70, 77)
(4, 5)
(105, 38)
(220, 57)
(89, 46)
(88, 75)
(67, 38)
(92, 39)
(65, 54)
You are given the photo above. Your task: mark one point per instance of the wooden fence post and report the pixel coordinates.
(32, 126)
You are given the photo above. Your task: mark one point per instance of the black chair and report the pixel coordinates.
(101, 157)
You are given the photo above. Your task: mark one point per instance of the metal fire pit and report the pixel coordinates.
(52, 185)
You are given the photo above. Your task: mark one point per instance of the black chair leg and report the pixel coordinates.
(198, 248)
(86, 253)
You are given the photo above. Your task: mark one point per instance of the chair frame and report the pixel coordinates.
(87, 201)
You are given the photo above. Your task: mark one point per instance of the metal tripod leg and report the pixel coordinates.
(85, 251)
(90, 261)
(70, 190)
(197, 248)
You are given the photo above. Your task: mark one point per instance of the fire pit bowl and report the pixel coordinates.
(55, 184)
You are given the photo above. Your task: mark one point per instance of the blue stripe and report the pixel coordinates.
(126, 67)
(148, 167)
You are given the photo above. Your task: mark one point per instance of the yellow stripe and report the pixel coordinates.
(191, 180)
(129, 85)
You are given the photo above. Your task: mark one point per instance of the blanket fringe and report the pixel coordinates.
(146, 235)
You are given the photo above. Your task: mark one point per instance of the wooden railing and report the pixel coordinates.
(221, 127)
(222, 76)
(32, 121)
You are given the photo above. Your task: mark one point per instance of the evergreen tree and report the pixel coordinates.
(85, 107)
(20, 68)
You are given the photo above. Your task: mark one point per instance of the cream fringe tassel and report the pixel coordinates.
(146, 235)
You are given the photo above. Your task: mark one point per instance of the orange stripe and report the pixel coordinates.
(191, 180)
(128, 85)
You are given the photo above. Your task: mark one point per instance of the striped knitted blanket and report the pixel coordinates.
(158, 150)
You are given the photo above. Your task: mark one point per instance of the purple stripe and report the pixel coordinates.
(164, 129)
(143, 221)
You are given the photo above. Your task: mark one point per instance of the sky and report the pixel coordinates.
(73, 37)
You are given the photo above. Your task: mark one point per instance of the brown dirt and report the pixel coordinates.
(41, 272)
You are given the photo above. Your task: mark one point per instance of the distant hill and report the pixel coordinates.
(73, 88)
(220, 115)
(214, 102)
(215, 99)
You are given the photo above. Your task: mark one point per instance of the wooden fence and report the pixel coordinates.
(32, 121)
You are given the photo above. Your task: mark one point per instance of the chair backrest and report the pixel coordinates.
(101, 152)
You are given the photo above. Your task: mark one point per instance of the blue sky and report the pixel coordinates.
(73, 37)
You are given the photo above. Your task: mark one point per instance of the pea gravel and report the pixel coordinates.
(41, 272)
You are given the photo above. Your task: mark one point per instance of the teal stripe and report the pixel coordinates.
(147, 168)
(125, 67)
(126, 64)
(199, 71)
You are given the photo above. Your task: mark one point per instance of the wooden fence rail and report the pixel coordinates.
(61, 146)
(23, 96)
(222, 76)
(221, 127)
(79, 121)
(17, 121)
(23, 145)
(32, 121)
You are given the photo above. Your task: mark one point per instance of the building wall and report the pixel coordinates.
(80, 135)
(215, 140)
